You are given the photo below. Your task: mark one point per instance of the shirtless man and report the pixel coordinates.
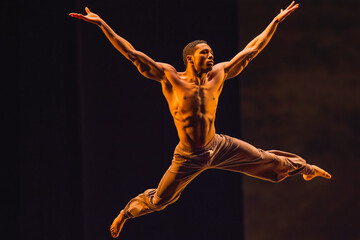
(193, 97)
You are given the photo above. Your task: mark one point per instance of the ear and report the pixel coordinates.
(189, 58)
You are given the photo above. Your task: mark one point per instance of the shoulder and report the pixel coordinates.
(218, 69)
(167, 67)
(217, 73)
(170, 73)
(220, 66)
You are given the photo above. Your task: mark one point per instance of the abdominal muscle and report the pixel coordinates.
(193, 107)
(194, 115)
(195, 131)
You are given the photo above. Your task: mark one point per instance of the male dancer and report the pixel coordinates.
(193, 97)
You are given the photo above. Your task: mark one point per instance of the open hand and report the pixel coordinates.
(90, 17)
(284, 13)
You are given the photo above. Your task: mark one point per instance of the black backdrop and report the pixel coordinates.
(94, 133)
(86, 132)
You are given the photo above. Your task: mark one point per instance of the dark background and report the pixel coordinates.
(302, 95)
(87, 132)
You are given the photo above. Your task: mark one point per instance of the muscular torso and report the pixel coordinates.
(193, 105)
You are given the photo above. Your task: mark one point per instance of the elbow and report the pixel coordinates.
(252, 53)
(253, 49)
(131, 55)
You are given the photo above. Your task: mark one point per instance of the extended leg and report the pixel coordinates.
(176, 178)
(239, 156)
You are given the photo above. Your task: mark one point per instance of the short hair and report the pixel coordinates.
(189, 49)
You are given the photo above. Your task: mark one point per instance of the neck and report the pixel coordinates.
(195, 76)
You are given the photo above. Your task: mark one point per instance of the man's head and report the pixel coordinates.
(198, 52)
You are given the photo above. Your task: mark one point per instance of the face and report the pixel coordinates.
(203, 58)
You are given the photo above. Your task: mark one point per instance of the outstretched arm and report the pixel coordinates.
(146, 66)
(240, 61)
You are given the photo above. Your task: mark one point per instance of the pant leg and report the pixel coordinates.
(235, 155)
(181, 172)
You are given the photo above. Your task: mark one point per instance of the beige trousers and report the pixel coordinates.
(225, 153)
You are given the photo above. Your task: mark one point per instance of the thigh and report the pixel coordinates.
(240, 156)
(233, 154)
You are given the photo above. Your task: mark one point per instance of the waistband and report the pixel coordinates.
(195, 151)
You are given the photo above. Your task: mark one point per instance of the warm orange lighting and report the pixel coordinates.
(192, 97)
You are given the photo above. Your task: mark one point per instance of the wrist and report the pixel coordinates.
(100, 23)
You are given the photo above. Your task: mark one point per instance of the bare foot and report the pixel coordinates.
(118, 224)
(318, 173)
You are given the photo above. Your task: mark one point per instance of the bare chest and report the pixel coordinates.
(192, 99)
(196, 98)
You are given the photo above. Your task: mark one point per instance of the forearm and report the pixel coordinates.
(118, 42)
(146, 66)
(237, 64)
(263, 39)
(240, 61)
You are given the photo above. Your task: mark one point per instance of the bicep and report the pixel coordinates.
(147, 66)
(239, 62)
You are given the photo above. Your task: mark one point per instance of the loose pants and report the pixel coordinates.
(225, 153)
